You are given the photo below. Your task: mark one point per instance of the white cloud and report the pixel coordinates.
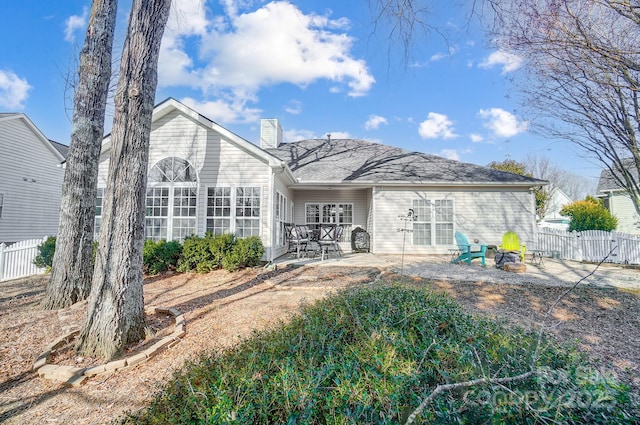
(438, 56)
(508, 61)
(339, 135)
(441, 55)
(450, 154)
(374, 122)
(503, 123)
(476, 138)
(221, 111)
(289, 136)
(73, 23)
(13, 90)
(436, 126)
(244, 52)
(294, 107)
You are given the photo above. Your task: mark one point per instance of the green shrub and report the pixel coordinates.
(221, 246)
(589, 214)
(247, 252)
(160, 256)
(372, 354)
(44, 259)
(196, 254)
(204, 254)
(46, 249)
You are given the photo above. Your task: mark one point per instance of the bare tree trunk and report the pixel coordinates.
(72, 262)
(115, 313)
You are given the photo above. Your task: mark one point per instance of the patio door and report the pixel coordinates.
(330, 213)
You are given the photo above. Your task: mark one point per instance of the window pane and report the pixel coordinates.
(220, 197)
(247, 206)
(172, 170)
(421, 233)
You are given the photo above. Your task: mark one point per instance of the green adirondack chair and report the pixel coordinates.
(465, 252)
(511, 243)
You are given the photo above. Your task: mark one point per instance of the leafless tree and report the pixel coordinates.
(70, 279)
(574, 186)
(115, 313)
(582, 75)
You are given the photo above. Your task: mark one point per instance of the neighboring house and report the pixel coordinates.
(202, 177)
(31, 178)
(617, 201)
(552, 218)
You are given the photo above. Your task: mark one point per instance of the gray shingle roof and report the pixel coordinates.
(608, 182)
(359, 161)
(63, 149)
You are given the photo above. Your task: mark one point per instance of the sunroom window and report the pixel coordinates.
(172, 199)
(243, 220)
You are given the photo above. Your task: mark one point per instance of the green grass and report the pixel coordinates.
(370, 355)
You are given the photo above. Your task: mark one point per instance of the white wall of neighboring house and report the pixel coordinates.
(621, 206)
(558, 200)
(30, 181)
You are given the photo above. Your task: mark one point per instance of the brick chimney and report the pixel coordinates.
(270, 133)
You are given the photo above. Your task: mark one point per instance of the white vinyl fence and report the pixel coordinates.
(590, 245)
(16, 260)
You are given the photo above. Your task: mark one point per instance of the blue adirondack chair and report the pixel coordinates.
(466, 254)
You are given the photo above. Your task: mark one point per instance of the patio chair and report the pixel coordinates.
(511, 243)
(295, 239)
(466, 252)
(328, 238)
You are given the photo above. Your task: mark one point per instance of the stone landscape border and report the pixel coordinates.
(76, 375)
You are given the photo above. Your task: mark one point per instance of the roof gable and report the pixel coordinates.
(170, 104)
(49, 144)
(358, 161)
(607, 182)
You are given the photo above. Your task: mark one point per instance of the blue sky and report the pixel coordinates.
(317, 66)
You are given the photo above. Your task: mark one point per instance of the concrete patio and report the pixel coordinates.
(551, 271)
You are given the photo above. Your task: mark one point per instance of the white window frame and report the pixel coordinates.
(218, 211)
(241, 204)
(336, 215)
(97, 221)
(248, 211)
(432, 226)
(281, 214)
(181, 219)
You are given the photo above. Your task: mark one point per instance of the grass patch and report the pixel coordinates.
(371, 354)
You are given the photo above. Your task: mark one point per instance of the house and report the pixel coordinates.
(31, 178)
(202, 177)
(618, 202)
(553, 219)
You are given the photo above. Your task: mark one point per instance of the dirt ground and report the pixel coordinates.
(222, 308)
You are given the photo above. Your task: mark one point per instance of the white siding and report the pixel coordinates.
(31, 182)
(480, 214)
(357, 197)
(280, 186)
(621, 206)
(218, 162)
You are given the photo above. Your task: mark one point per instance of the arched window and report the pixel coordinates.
(172, 198)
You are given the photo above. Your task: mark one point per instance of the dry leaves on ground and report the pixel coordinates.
(222, 308)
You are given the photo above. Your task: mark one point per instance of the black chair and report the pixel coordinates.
(328, 238)
(296, 239)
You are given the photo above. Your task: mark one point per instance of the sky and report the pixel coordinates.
(320, 67)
